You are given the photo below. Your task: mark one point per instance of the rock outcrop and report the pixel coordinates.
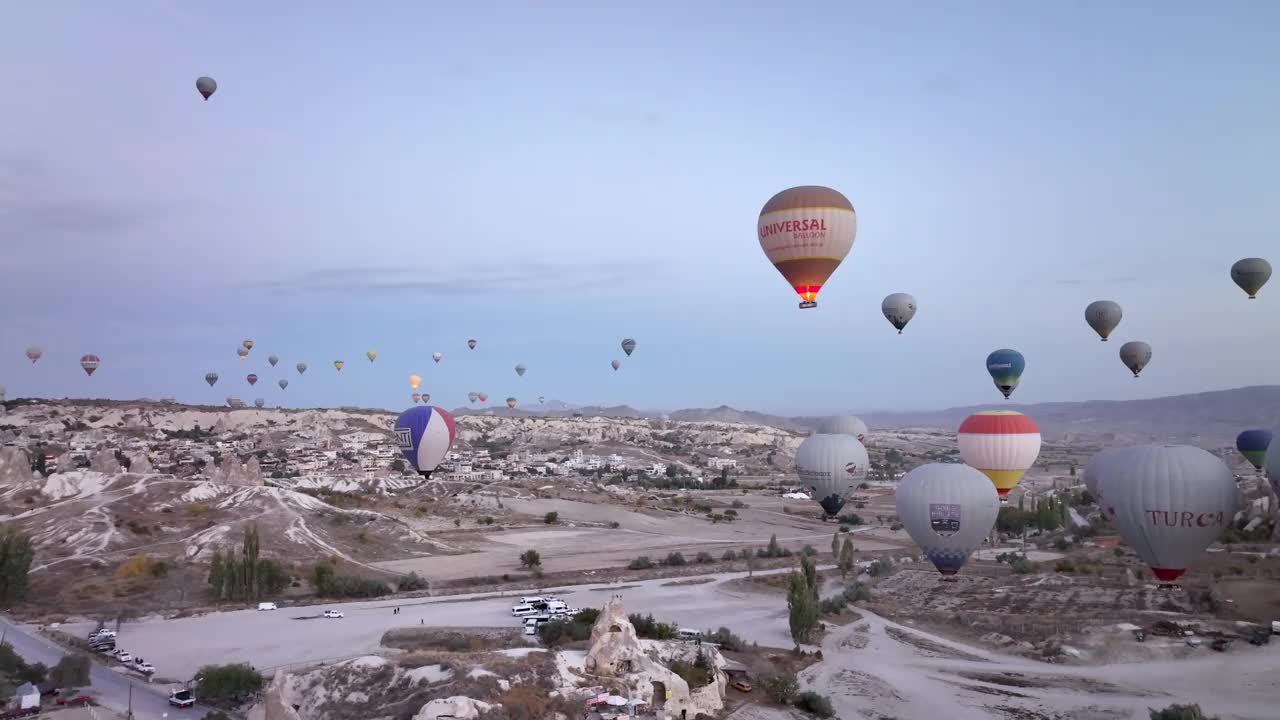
(234, 472)
(15, 467)
(140, 463)
(457, 707)
(104, 461)
(641, 667)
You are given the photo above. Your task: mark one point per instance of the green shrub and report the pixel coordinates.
(551, 518)
(781, 688)
(808, 551)
(857, 592)
(880, 568)
(1179, 712)
(704, 557)
(412, 581)
(725, 638)
(815, 704)
(1065, 566)
(729, 556)
(227, 683)
(71, 671)
(675, 559)
(647, 627)
(641, 563)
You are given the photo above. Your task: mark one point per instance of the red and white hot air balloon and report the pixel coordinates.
(806, 232)
(511, 403)
(1003, 444)
(89, 363)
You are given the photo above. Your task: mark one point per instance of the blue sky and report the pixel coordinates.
(406, 175)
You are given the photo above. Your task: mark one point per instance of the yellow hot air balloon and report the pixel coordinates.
(1003, 444)
(371, 354)
(414, 381)
(806, 232)
(338, 364)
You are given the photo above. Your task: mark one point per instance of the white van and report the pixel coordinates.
(687, 634)
(524, 610)
(267, 606)
(532, 600)
(532, 624)
(556, 606)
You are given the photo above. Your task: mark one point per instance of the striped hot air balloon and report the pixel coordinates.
(89, 363)
(1003, 444)
(417, 397)
(424, 434)
(806, 232)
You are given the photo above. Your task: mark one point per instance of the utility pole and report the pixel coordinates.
(130, 715)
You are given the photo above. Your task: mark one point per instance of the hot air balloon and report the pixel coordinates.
(247, 344)
(520, 370)
(424, 434)
(511, 403)
(282, 383)
(259, 402)
(1103, 316)
(302, 367)
(338, 364)
(1095, 469)
(1006, 368)
(371, 354)
(471, 397)
(1169, 502)
(628, 346)
(89, 363)
(615, 364)
(436, 356)
(806, 232)
(947, 509)
(1135, 355)
(1253, 444)
(253, 379)
(273, 359)
(206, 86)
(541, 399)
(416, 397)
(830, 466)
(34, 353)
(484, 397)
(426, 398)
(1251, 274)
(844, 425)
(1003, 444)
(211, 378)
(415, 381)
(2, 392)
(471, 344)
(243, 352)
(898, 309)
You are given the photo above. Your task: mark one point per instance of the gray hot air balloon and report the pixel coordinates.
(211, 378)
(899, 308)
(259, 402)
(282, 383)
(520, 370)
(830, 467)
(34, 353)
(206, 86)
(471, 397)
(947, 508)
(302, 367)
(1135, 355)
(1, 396)
(1251, 274)
(844, 425)
(1103, 316)
(243, 352)
(273, 359)
(615, 364)
(628, 346)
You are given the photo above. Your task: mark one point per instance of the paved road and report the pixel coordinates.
(111, 688)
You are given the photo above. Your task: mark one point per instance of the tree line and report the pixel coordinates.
(243, 575)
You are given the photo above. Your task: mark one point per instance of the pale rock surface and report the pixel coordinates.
(104, 461)
(15, 467)
(458, 707)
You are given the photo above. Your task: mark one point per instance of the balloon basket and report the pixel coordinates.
(808, 304)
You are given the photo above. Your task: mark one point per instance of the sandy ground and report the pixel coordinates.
(648, 532)
(875, 668)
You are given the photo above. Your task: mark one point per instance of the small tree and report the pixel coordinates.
(322, 577)
(227, 683)
(846, 558)
(530, 559)
(71, 671)
(810, 571)
(802, 607)
(16, 553)
(835, 544)
(551, 518)
(781, 688)
(1179, 712)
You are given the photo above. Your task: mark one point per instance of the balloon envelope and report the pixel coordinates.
(243, 352)
(338, 364)
(211, 378)
(948, 509)
(371, 354)
(206, 86)
(844, 425)
(1253, 445)
(471, 344)
(615, 365)
(1002, 444)
(424, 434)
(1103, 316)
(247, 344)
(426, 397)
(302, 367)
(1094, 471)
(273, 359)
(1169, 503)
(1251, 274)
(520, 369)
(1006, 367)
(416, 397)
(34, 353)
(89, 363)
(436, 356)
(472, 396)
(898, 309)
(830, 466)
(1135, 355)
(259, 402)
(806, 232)
(628, 346)
(253, 379)
(511, 402)
(484, 397)
(415, 381)
(283, 383)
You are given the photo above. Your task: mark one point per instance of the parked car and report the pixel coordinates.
(124, 656)
(143, 666)
(267, 606)
(182, 697)
(333, 613)
(742, 686)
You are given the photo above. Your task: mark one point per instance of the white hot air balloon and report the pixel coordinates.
(1094, 470)
(844, 425)
(1003, 444)
(1170, 502)
(948, 509)
(830, 467)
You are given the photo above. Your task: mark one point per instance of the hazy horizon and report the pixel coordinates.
(551, 181)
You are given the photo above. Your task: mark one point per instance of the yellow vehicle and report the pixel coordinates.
(742, 686)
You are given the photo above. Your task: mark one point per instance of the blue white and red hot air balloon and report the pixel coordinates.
(424, 434)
